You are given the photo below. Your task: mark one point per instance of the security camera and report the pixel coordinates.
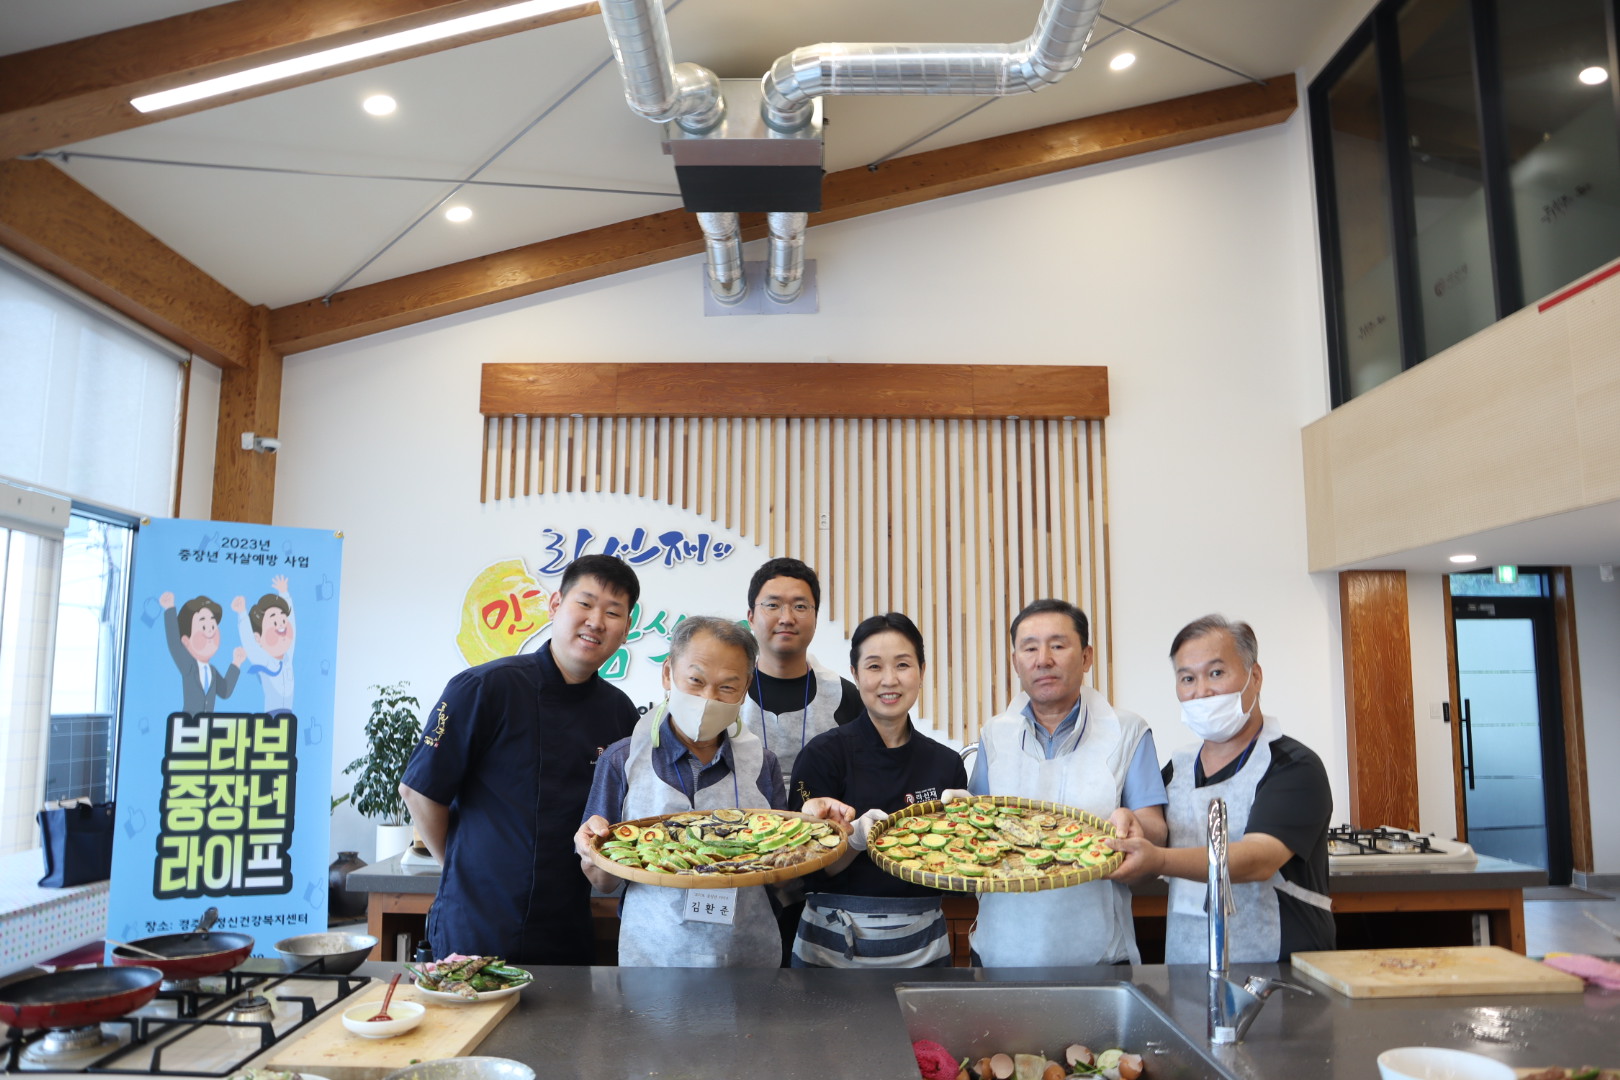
(267, 446)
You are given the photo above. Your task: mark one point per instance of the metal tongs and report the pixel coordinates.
(206, 923)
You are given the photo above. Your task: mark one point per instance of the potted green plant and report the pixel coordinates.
(391, 734)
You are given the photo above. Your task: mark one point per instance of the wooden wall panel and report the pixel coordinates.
(1569, 679)
(249, 400)
(1382, 745)
(956, 522)
(1034, 391)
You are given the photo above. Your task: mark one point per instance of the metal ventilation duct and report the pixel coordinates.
(1050, 52)
(689, 96)
(656, 88)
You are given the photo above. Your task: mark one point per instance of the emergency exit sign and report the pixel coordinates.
(1507, 575)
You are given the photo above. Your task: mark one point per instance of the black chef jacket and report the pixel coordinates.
(511, 748)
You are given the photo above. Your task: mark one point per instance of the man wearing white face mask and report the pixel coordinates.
(1278, 809)
(692, 754)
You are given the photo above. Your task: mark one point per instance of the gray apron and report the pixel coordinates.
(785, 734)
(652, 932)
(1082, 924)
(1254, 934)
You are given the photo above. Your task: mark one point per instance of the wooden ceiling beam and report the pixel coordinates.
(673, 234)
(56, 223)
(62, 94)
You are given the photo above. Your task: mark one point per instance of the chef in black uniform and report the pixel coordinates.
(498, 783)
(855, 914)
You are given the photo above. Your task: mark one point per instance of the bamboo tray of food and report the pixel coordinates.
(994, 843)
(719, 849)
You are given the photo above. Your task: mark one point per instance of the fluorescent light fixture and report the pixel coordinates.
(1464, 558)
(379, 105)
(458, 214)
(1593, 76)
(346, 54)
(1121, 61)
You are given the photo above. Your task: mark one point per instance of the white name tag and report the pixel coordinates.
(710, 905)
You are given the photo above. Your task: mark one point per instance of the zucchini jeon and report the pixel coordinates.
(987, 842)
(719, 842)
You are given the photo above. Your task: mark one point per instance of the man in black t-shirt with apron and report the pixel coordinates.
(1278, 806)
(791, 698)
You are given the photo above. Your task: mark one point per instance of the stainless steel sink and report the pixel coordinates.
(980, 1019)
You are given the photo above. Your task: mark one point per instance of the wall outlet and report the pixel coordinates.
(824, 522)
(1437, 710)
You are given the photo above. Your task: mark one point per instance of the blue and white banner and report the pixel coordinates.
(225, 753)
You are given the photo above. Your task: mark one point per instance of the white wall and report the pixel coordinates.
(1597, 627)
(1191, 274)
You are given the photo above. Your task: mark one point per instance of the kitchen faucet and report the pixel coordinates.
(1232, 1008)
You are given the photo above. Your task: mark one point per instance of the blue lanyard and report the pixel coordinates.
(1243, 759)
(804, 723)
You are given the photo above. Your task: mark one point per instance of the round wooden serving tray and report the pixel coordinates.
(1073, 875)
(718, 881)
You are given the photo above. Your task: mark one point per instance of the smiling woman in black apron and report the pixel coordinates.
(856, 915)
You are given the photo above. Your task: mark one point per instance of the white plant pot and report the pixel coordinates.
(391, 840)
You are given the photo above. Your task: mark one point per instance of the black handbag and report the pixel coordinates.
(78, 844)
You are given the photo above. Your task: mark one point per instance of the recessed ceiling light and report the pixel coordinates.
(379, 105)
(1121, 61)
(1592, 76)
(346, 54)
(1464, 558)
(458, 214)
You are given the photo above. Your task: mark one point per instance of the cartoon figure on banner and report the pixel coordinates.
(193, 636)
(268, 633)
(504, 609)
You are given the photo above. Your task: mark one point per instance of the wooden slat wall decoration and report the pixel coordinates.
(958, 522)
(1381, 740)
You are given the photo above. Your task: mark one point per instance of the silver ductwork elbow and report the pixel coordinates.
(784, 274)
(1051, 51)
(655, 87)
(722, 235)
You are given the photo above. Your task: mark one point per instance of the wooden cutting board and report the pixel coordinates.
(1436, 972)
(331, 1050)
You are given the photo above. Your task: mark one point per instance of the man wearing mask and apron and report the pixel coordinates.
(691, 754)
(1278, 806)
(1061, 741)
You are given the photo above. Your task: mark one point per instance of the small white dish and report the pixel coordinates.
(405, 1016)
(483, 995)
(1440, 1063)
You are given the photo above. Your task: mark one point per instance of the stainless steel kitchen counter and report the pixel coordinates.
(813, 1025)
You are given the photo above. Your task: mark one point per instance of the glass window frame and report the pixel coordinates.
(1380, 31)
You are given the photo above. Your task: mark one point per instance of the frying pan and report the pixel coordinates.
(76, 998)
(188, 955)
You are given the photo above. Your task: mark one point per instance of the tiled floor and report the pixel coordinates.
(1560, 926)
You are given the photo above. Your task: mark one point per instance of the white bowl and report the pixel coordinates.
(405, 1015)
(1439, 1063)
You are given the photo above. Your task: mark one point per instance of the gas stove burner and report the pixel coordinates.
(65, 1043)
(252, 1009)
(1396, 846)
